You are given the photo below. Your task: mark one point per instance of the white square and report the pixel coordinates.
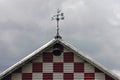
(37, 76)
(58, 58)
(16, 76)
(27, 68)
(47, 67)
(38, 59)
(89, 68)
(78, 76)
(68, 67)
(99, 76)
(77, 59)
(57, 76)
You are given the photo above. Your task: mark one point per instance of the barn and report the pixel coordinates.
(57, 60)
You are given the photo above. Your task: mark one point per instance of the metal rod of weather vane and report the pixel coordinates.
(57, 25)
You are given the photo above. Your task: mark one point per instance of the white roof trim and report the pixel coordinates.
(7, 71)
(67, 45)
(91, 61)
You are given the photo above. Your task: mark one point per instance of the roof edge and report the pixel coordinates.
(27, 58)
(91, 60)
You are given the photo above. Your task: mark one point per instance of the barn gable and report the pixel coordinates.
(71, 64)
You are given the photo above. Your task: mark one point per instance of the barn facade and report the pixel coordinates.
(57, 60)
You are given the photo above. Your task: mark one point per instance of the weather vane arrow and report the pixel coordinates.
(59, 16)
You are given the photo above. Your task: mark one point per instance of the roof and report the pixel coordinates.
(65, 44)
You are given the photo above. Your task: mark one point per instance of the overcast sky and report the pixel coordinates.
(92, 26)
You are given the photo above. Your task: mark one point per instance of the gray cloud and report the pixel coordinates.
(92, 26)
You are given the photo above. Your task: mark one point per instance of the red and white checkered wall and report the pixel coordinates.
(67, 66)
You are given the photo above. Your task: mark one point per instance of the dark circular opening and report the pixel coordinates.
(57, 49)
(57, 52)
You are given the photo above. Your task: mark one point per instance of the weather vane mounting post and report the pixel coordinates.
(59, 16)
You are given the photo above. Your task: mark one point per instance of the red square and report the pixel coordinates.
(47, 76)
(68, 57)
(89, 76)
(47, 57)
(57, 67)
(68, 76)
(78, 67)
(26, 76)
(108, 77)
(37, 67)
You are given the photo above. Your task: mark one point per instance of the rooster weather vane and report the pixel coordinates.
(59, 16)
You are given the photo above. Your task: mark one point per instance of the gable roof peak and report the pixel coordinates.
(67, 46)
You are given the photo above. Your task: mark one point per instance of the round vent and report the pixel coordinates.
(57, 49)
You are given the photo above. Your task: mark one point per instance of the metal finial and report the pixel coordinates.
(59, 16)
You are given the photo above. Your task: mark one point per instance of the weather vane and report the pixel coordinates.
(59, 16)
